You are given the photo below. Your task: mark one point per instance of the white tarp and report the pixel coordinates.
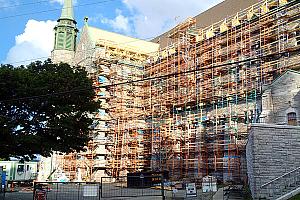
(90, 191)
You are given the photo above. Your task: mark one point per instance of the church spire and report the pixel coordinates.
(67, 11)
(65, 35)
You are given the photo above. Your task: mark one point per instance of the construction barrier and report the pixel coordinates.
(40, 195)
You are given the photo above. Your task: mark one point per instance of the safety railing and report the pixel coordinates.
(282, 185)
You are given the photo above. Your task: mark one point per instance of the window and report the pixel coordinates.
(20, 169)
(292, 118)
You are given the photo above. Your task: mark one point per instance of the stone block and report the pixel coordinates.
(274, 157)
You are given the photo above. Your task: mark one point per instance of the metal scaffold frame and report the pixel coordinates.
(201, 118)
(190, 112)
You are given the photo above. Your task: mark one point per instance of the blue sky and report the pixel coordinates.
(27, 34)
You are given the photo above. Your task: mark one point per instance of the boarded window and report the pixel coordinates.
(60, 42)
(292, 118)
(69, 41)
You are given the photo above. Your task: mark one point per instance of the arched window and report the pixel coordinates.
(292, 118)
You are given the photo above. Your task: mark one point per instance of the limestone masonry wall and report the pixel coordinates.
(282, 97)
(271, 151)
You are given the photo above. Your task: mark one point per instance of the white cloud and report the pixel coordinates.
(35, 42)
(153, 17)
(61, 2)
(120, 23)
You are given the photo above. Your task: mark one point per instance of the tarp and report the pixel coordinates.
(102, 79)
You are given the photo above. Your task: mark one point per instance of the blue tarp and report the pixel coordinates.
(232, 157)
(102, 79)
(102, 94)
(101, 112)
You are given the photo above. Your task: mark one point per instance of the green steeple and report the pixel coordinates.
(65, 30)
(67, 11)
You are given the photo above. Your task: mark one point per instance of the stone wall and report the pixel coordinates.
(65, 56)
(281, 98)
(271, 151)
(85, 51)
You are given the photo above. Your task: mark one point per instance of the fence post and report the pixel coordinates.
(101, 186)
(34, 188)
(79, 191)
(142, 180)
(162, 187)
(56, 191)
(120, 180)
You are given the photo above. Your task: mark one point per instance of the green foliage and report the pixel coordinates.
(247, 192)
(297, 197)
(54, 118)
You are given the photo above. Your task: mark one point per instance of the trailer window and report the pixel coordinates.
(20, 168)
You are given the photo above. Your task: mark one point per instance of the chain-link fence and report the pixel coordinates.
(132, 186)
(66, 191)
(2, 195)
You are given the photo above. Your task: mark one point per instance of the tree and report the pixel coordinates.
(44, 107)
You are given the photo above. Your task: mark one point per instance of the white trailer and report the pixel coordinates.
(20, 171)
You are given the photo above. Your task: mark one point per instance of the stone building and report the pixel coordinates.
(281, 100)
(65, 35)
(273, 147)
(217, 13)
(108, 58)
(273, 154)
(192, 124)
(111, 58)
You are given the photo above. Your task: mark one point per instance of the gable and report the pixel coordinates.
(121, 41)
(84, 48)
(288, 77)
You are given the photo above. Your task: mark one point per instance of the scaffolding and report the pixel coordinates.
(190, 114)
(213, 79)
(123, 105)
